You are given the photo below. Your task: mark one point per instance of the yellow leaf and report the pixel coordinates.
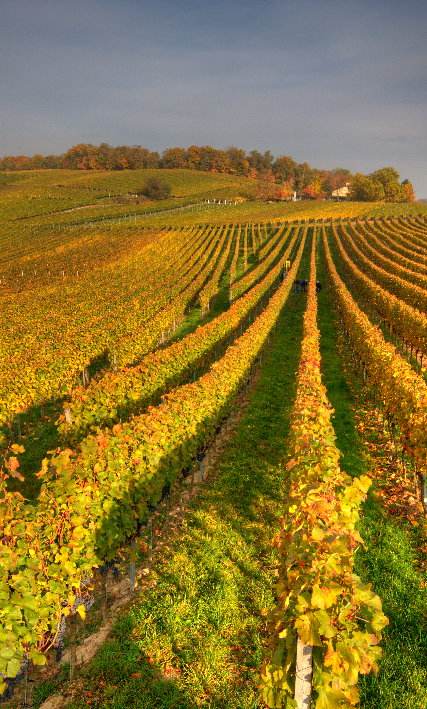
(17, 448)
(81, 610)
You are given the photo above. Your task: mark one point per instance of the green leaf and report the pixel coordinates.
(37, 657)
(13, 667)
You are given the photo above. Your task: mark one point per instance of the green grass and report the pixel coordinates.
(38, 192)
(40, 195)
(195, 639)
(390, 560)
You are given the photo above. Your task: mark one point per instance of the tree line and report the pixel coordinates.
(275, 177)
(283, 170)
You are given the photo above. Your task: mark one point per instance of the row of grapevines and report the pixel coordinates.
(117, 395)
(233, 265)
(385, 246)
(261, 233)
(404, 235)
(211, 288)
(51, 335)
(256, 238)
(391, 264)
(413, 295)
(319, 598)
(419, 225)
(401, 391)
(245, 248)
(241, 286)
(166, 320)
(92, 501)
(40, 331)
(409, 324)
(270, 243)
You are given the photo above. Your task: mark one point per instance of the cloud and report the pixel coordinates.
(332, 83)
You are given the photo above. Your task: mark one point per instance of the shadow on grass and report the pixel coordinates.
(149, 685)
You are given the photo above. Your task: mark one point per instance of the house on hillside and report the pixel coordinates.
(341, 192)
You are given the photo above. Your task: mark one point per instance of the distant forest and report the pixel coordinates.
(277, 178)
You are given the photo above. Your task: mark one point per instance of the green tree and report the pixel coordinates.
(155, 188)
(303, 175)
(366, 189)
(260, 161)
(388, 177)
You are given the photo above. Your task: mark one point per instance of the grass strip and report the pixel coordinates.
(390, 561)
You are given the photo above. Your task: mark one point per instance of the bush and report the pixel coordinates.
(156, 188)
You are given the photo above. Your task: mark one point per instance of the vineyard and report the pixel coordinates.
(213, 447)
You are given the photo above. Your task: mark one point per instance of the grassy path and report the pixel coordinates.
(391, 560)
(195, 637)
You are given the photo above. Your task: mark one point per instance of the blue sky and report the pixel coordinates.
(335, 83)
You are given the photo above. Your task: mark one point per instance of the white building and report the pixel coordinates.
(341, 192)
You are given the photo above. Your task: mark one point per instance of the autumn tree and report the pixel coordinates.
(266, 187)
(237, 160)
(284, 168)
(213, 160)
(193, 157)
(173, 158)
(408, 191)
(335, 179)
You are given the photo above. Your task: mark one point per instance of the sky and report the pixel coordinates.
(331, 82)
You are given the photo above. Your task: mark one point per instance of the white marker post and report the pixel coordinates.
(304, 670)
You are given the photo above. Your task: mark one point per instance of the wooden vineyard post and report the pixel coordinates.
(151, 537)
(28, 685)
(132, 570)
(68, 415)
(73, 649)
(424, 491)
(303, 674)
(104, 593)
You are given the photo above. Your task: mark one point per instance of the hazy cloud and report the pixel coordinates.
(333, 83)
